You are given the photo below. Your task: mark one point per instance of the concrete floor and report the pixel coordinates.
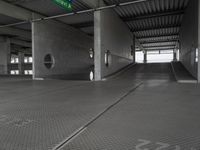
(142, 108)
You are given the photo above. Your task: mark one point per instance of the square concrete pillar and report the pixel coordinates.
(175, 55)
(113, 44)
(145, 56)
(4, 55)
(198, 63)
(21, 63)
(97, 45)
(133, 49)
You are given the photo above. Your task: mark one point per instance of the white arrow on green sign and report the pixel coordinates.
(66, 4)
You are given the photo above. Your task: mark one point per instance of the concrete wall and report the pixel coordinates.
(69, 47)
(199, 41)
(4, 55)
(113, 35)
(189, 38)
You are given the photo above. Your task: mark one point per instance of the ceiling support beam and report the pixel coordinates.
(14, 11)
(149, 50)
(153, 15)
(94, 3)
(20, 42)
(155, 42)
(159, 49)
(135, 18)
(83, 25)
(160, 46)
(160, 41)
(15, 32)
(156, 28)
(157, 36)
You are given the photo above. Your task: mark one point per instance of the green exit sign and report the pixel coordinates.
(66, 4)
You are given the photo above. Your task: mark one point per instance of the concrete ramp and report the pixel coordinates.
(153, 71)
(181, 74)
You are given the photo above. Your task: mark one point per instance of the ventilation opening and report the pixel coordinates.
(49, 61)
(107, 53)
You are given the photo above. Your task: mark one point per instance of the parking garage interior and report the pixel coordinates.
(99, 74)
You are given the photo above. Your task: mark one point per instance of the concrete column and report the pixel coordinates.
(175, 55)
(21, 63)
(111, 34)
(4, 55)
(97, 46)
(145, 56)
(133, 49)
(198, 63)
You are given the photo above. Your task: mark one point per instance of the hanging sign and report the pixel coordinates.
(66, 4)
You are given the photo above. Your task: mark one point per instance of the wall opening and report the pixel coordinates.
(139, 56)
(107, 56)
(14, 72)
(49, 61)
(28, 72)
(160, 56)
(28, 59)
(14, 59)
(157, 56)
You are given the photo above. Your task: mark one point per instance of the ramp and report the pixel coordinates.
(181, 74)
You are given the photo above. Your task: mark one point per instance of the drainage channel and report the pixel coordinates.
(83, 128)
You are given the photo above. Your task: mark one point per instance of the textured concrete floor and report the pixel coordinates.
(158, 114)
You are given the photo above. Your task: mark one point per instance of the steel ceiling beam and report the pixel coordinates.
(135, 18)
(14, 11)
(155, 28)
(43, 18)
(159, 49)
(153, 15)
(20, 42)
(155, 42)
(83, 25)
(15, 32)
(94, 3)
(157, 36)
(156, 49)
(171, 45)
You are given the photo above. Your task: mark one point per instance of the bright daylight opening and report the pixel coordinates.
(155, 56)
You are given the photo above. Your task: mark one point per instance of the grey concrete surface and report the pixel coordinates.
(189, 37)
(21, 63)
(40, 115)
(4, 55)
(112, 34)
(160, 114)
(69, 48)
(198, 43)
(181, 74)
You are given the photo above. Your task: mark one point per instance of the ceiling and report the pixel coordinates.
(155, 23)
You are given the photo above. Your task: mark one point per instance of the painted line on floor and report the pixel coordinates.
(83, 128)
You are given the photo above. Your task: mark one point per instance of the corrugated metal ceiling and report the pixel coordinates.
(165, 21)
(150, 21)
